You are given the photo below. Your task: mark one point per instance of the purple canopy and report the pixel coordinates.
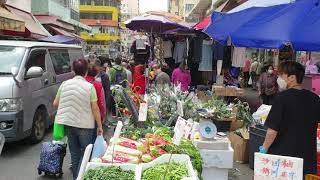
(153, 23)
(63, 39)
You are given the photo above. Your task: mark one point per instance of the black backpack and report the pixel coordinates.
(119, 77)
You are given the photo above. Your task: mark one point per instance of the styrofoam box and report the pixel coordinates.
(217, 158)
(126, 167)
(85, 160)
(217, 144)
(214, 173)
(178, 158)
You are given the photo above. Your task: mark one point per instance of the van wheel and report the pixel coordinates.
(38, 127)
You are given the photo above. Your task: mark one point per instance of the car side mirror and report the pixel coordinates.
(34, 72)
(14, 71)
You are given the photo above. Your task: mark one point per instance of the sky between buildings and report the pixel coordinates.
(153, 5)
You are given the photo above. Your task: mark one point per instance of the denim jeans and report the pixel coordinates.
(78, 140)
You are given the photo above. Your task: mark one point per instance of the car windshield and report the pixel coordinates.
(10, 56)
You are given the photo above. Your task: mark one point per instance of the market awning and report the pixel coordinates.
(203, 24)
(59, 31)
(54, 20)
(259, 3)
(273, 27)
(10, 22)
(31, 23)
(63, 39)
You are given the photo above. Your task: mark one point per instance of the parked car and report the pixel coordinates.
(30, 75)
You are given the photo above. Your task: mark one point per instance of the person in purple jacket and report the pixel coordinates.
(181, 75)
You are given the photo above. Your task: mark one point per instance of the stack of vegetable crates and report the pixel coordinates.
(217, 158)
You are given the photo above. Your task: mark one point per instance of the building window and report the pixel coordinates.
(189, 7)
(98, 16)
(75, 15)
(98, 2)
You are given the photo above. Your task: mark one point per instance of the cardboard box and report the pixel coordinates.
(241, 148)
(202, 96)
(219, 90)
(231, 91)
(236, 124)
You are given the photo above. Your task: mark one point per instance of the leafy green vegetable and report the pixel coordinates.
(166, 171)
(222, 111)
(163, 132)
(186, 147)
(243, 112)
(134, 133)
(112, 172)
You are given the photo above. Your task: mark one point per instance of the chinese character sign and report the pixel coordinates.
(268, 166)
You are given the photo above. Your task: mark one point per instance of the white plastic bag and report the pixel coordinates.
(250, 81)
(99, 147)
(261, 114)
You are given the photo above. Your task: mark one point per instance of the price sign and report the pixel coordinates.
(180, 108)
(116, 136)
(188, 129)
(180, 124)
(143, 111)
(268, 166)
(177, 137)
(117, 132)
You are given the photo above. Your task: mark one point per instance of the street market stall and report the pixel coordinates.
(173, 138)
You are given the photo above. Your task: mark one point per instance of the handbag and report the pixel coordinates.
(269, 91)
(58, 132)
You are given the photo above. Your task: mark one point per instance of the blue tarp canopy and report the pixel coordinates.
(270, 27)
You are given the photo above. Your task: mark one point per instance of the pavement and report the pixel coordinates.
(19, 160)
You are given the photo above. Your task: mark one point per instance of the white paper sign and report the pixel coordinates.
(271, 167)
(117, 132)
(143, 111)
(188, 129)
(177, 137)
(180, 125)
(180, 108)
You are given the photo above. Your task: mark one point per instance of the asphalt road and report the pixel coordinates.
(19, 161)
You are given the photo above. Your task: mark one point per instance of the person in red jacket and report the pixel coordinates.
(139, 79)
(99, 89)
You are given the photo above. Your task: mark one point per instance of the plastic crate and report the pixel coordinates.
(257, 136)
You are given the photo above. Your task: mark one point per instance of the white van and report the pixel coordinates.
(30, 75)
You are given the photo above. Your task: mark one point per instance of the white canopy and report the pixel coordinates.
(259, 3)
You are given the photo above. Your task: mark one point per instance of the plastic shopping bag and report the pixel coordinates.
(99, 147)
(250, 81)
(58, 132)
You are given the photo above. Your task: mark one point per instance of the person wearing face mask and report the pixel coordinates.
(268, 86)
(293, 120)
